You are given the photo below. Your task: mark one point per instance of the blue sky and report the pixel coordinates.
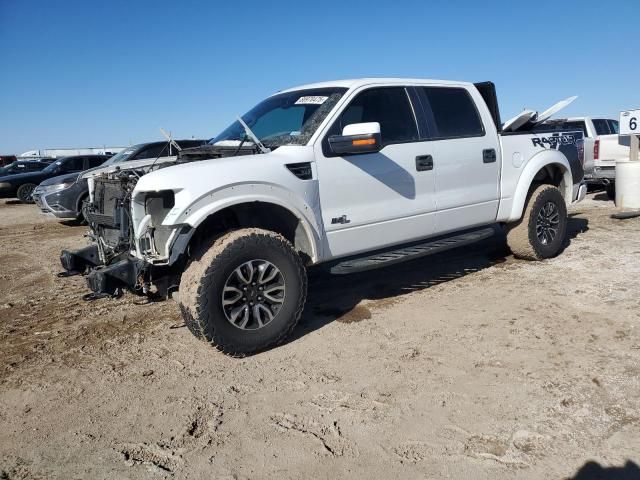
(88, 73)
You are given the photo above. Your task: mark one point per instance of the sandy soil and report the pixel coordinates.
(465, 365)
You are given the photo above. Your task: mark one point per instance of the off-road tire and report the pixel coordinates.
(611, 191)
(81, 219)
(24, 192)
(202, 283)
(522, 237)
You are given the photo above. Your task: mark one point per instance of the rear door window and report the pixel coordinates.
(602, 127)
(33, 167)
(613, 126)
(451, 113)
(95, 161)
(73, 164)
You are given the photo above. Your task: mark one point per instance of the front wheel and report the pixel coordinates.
(541, 231)
(245, 292)
(24, 192)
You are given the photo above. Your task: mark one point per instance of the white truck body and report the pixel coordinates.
(385, 200)
(354, 174)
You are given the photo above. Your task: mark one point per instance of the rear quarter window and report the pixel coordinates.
(602, 127)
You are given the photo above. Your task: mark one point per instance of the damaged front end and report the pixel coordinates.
(108, 263)
(131, 248)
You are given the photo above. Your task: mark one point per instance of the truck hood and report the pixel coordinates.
(130, 165)
(199, 178)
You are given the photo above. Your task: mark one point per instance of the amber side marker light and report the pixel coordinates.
(366, 141)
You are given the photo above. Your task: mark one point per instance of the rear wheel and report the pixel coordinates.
(611, 190)
(24, 192)
(245, 292)
(541, 231)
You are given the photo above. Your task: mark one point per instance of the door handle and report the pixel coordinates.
(424, 162)
(488, 155)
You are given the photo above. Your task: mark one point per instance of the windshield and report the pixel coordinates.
(289, 118)
(55, 166)
(122, 156)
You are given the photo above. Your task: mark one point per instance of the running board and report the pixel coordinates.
(403, 254)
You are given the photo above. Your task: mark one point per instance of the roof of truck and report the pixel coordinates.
(359, 82)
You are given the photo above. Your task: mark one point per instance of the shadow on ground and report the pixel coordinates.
(602, 197)
(595, 471)
(338, 297)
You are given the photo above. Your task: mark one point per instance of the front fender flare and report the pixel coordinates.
(302, 208)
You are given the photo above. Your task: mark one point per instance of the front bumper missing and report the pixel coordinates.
(103, 280)
(111, 280)
(79, 261)
(125, 272)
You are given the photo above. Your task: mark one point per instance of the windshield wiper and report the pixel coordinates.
(253, 137)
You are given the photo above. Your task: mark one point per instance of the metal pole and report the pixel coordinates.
(633, 155)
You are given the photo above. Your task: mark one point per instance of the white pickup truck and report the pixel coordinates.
(352, 174)
(602, 145)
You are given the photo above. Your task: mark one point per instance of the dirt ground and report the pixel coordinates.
(468, 364)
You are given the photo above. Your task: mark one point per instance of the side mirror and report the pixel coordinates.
(357, 138)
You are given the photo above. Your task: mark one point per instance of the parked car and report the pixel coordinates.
(7, 159)
(603, 147)
(63, 196)
(23, 166)
(21, 185)
(351, 174)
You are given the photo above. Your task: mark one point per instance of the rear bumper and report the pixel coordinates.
(601, 173)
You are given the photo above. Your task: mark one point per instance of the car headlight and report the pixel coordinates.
(56, 188)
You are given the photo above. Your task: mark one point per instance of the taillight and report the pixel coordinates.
(596, 150)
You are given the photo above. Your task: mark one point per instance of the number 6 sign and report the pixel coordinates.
(630, 122)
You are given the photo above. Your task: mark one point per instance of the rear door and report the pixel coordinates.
(466, 157)
(375, 200)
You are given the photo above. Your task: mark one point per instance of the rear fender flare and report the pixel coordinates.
(534, 165)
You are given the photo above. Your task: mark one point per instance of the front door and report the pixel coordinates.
(375, 200)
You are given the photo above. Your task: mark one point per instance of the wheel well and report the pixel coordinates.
(81, 198)
(552, 174)
(257, 215)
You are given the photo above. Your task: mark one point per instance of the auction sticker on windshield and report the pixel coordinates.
(312, 100)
